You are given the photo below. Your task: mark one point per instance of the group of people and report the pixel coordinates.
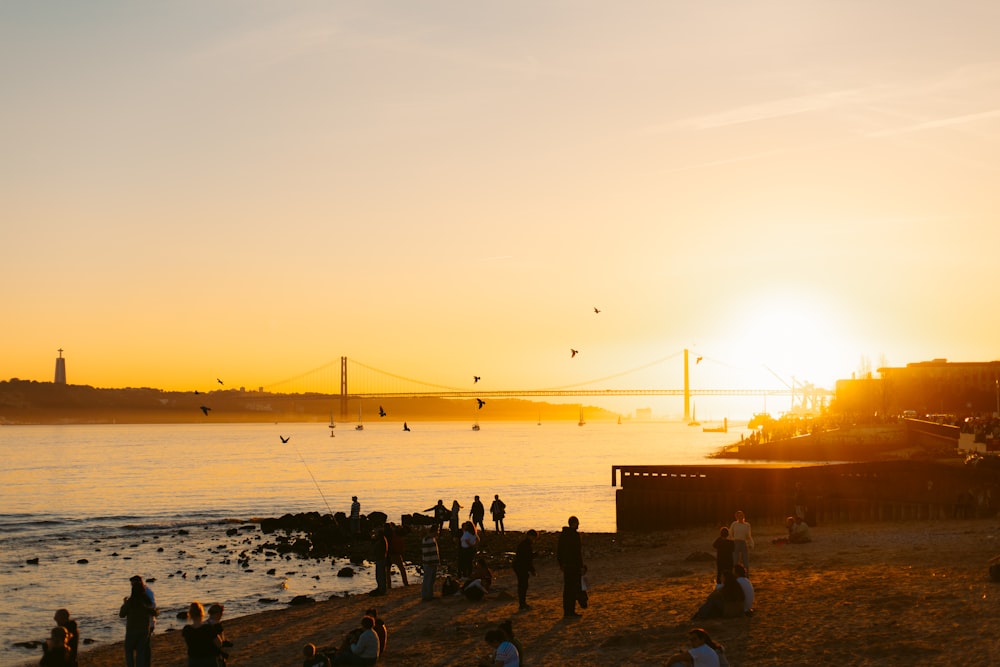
(441, 514)
(60, 649)
(733, 594)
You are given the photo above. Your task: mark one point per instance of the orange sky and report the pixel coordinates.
(251, 190)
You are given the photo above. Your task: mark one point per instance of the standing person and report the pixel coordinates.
(723, 554)
(499, 510)
(355, 516)
(63, 620)
(524, 567)
(467, 549)
(477, 513)
(453, 520)
(380, 555)
(431, 557)
(739, 533)
(397, 547)
(440, 514)
(202, 639)
(569, 554)
(139, 611)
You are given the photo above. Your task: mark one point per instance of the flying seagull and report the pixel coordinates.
(698, 360)
(205, 409)
(284, 439)
(573, 353)
(481, 403)
(381, 412)
(596, 310)
(475, 379)
(219, 381)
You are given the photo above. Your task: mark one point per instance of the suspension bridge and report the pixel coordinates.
(367, 382)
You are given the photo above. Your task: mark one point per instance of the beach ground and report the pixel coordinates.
(859, 594)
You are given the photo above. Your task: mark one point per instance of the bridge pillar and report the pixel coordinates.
(687, 390)
(343, 388)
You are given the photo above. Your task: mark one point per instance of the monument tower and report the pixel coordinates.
(60, 369)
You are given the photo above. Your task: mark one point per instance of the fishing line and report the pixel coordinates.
(311, 475)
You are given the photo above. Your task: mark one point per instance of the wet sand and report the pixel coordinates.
(859, 594)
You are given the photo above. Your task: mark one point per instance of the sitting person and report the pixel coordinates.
(744, 581)
(798, 531)
(380, 630)
(504, 653)
(478, 584)
(56, 650)
(360, 646)
(726, 600)
(508, 631)
(704, 651)
(312, 658)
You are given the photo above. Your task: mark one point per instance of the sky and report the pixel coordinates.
(793, 190)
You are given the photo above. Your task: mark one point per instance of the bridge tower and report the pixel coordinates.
(687, 390)
(343, 387)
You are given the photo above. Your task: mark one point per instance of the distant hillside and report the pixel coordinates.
(29, 402)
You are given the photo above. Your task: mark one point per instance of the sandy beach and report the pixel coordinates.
(859, 594)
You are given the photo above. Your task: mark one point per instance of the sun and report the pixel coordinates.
(792, 335)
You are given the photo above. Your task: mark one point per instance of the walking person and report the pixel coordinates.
(139, 611)
(380, 556)
(397, 546)
(498, 510)
(739, 533)
(431, 558)
(477, 513)
(524, 567)
(569, 554)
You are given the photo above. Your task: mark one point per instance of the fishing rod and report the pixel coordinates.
(284, 441)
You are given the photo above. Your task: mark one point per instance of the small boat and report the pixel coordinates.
(619, 420)
(360, 426)
(718, 429)
(582, 420)
(694, 416)
(332, 426)
(475, 427)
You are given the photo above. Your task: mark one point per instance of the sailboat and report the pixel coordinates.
(475, 427)
(405, 427)
(582, 421)
(332, 425)
(360, 426)
(694, 416)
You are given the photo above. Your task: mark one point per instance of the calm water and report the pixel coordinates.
(158, 500)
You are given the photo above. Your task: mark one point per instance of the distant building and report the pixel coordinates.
(933, 387)
(60, 369)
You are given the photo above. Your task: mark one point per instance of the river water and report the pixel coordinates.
(174, 503)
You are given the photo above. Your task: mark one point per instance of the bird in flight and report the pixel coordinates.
(205, 409)
(596, 310)
(573, 353)
(284, 439)
(475, 379)
(219, 381)
(698, 360)
(481, 403)
(405, 427)
(381, 412)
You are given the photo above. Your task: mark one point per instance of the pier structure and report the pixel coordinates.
(653, 497)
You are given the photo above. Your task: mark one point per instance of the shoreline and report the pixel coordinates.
(905, 591)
